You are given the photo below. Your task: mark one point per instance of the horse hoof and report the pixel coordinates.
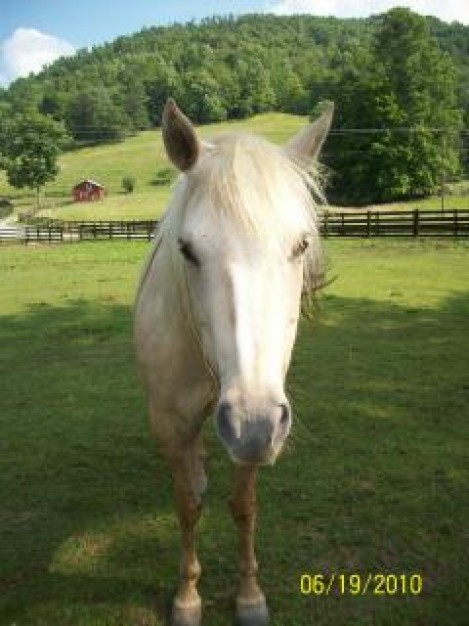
(189, 616)
(253, 615)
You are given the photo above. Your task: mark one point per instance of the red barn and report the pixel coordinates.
(87, 190)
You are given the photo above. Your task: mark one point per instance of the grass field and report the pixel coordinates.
(374, 478)
(142, 156)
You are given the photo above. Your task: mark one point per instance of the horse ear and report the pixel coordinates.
(305, 146)
(182, 144)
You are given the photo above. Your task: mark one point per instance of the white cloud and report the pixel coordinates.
(28, 50)
(447, 10)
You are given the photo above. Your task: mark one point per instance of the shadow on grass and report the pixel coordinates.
(372, 479)
(80, 481)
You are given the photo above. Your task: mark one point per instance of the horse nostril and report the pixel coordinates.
(284, 415)
(224, 421)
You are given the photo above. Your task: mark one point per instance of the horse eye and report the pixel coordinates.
(300, 248)
(188, 253)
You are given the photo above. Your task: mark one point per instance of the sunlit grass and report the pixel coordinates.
(142, 155)
(143, 205)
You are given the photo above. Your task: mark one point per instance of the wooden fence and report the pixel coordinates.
(55, 231)
(26, 234)
(415, 223)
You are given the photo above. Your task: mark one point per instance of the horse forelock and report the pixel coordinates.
(250, 181)
(256, 186)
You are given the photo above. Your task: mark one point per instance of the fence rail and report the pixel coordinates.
(415, 223)
(55, 231)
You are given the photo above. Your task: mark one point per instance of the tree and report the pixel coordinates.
(24, 95)
(54, 103)
(238, 66)
(30, 148)
(424, 81)
(163, 84)
(92, 115)
(256, 93)
(5, 122)
(133, 98)
(290, 93)
(200, 98)
(398, 121)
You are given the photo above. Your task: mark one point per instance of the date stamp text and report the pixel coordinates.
(360, 584)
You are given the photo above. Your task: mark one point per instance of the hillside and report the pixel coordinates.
(401, 81)
(221, 68)
(141, 156)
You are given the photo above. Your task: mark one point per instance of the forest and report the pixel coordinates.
(400, 83)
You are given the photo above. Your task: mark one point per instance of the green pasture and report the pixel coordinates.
(142, 156)
(374, 478)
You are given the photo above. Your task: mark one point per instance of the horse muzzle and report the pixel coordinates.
(253, 438)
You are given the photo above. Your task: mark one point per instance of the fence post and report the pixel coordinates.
(326, 224)
(368, 223)
(416, 225)
(455, 223)
(343, 225)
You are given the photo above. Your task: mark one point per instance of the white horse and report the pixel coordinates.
(216, 317)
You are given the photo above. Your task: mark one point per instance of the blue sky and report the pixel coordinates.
(35, 32)
(87, 22)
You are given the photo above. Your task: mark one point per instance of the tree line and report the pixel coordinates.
(400, 83)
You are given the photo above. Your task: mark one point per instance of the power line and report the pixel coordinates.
(402, 129)
(333, 131)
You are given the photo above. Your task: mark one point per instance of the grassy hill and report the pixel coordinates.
(140, 156)
(230, 68)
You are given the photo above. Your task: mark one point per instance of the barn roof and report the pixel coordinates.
(88, 181)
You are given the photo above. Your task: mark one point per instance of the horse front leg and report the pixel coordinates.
(187, 606)
(251, 607)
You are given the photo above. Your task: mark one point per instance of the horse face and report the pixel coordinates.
(245, 297)
(245, 283)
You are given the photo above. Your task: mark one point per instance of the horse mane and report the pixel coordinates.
(253, 182)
